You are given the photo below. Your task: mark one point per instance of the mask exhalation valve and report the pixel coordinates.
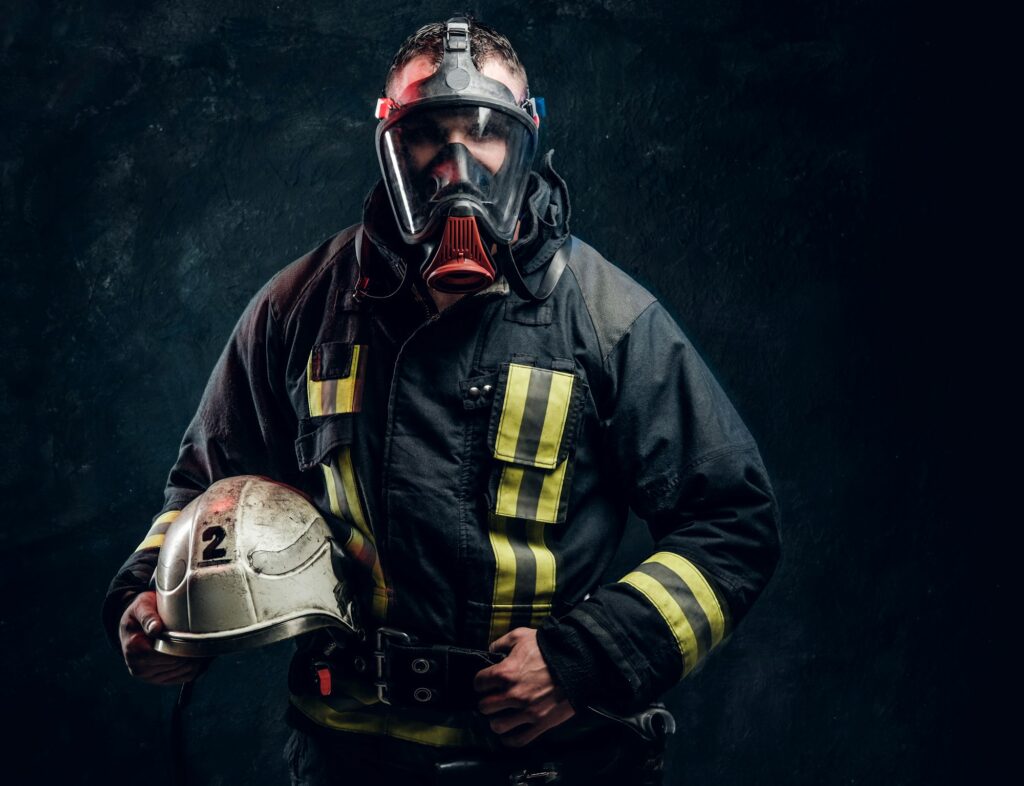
(461, 263)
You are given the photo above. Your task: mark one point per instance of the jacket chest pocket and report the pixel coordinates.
(334, 378)
(335, 374)
(532, 437)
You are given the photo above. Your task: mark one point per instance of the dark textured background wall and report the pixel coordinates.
(760, 166)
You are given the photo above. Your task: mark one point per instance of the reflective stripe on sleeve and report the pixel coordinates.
(155, 537)
(685, 600)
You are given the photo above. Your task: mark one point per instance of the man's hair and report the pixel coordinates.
(485, 42)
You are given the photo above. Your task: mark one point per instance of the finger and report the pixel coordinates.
(506, 642)
(490, 679)
(160, 660)
(165, 673)
(524, 736)
(172, 679)
(489, 705)
(184, 670)
(140, 652)
(144, 610)
(137, 646)
(509, 720)
(531, 731)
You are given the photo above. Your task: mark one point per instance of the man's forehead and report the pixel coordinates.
(403, 84)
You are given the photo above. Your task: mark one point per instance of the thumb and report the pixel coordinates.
(144, 611)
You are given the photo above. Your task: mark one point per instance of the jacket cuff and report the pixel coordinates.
(580, 667)
(132, 579)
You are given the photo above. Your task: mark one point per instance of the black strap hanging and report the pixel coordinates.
(551, 276)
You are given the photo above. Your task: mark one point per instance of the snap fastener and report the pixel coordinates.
(423, 694)
(421, 665)
(474, 392)
(487, 390)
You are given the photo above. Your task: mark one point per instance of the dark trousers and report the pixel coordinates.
(339, 759)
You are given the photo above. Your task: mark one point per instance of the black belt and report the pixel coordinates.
(404, 673)
(440, 677)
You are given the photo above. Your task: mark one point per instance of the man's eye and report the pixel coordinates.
(421, 135)
(481, 132)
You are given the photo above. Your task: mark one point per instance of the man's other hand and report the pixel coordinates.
(139, 624)
(519, 696)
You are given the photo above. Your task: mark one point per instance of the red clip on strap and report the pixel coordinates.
(385, 106)
(323, 678)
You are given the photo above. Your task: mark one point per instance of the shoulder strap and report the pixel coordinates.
(551, 276)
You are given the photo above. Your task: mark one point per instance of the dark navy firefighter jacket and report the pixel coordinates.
(478, 464)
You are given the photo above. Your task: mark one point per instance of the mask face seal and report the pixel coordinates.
(456, 160)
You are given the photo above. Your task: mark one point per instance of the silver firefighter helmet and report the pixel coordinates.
(247, 563)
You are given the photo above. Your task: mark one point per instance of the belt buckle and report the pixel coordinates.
(384, 635)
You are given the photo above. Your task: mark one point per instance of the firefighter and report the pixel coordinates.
(474, 399)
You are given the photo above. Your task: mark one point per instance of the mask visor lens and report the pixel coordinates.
(433, 155)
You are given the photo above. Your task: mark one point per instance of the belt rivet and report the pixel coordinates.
(421, 665)
(423, 694)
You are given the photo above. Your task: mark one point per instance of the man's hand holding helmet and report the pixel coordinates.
(139, 626)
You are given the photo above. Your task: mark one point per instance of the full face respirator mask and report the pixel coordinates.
(456, 159)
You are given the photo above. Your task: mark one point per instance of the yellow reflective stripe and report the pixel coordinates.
(344, 396)
(512, 408)
(700, 588)
(549, 499)
(504, 577)
(342, 487)
(166, 517)
(554, 418)
(155, 537)
(508, 490)
(151, 541)
(671, 612)
(382, 721)
(521, 554)
(332, 491)
(348, 480)
(545, 571)
(551, 494)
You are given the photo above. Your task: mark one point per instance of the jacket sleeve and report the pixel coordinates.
(244, 425)
(676, 446)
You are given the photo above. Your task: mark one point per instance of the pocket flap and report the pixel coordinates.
(535, 415)
(331, 360)
(319, 436)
